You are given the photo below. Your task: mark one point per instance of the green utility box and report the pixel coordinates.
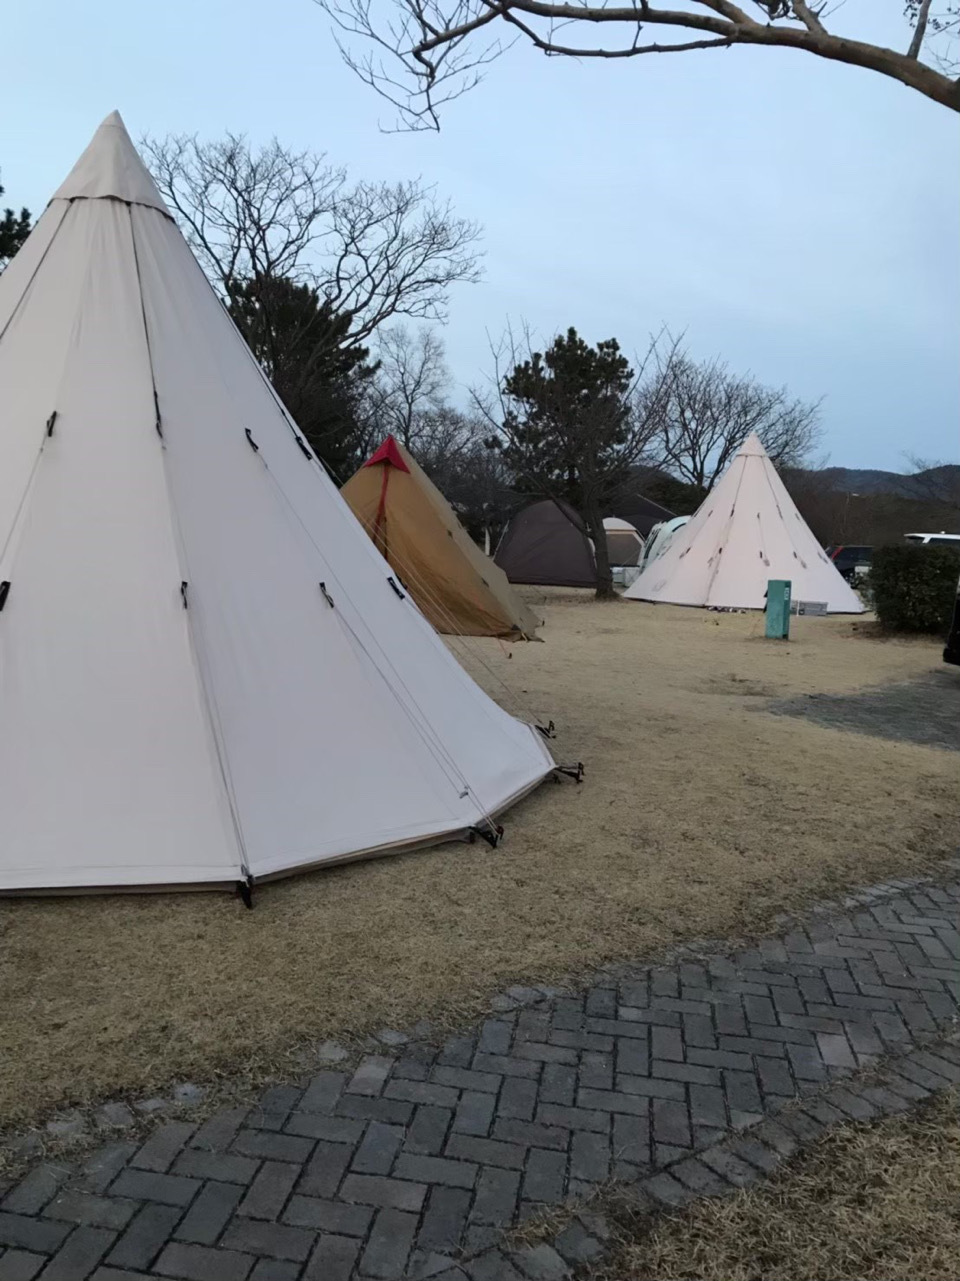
(778, 609)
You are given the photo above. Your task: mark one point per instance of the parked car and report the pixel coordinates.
(852, 562)
(951, 651)
(943, 539)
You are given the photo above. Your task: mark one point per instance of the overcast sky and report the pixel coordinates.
(796, 217)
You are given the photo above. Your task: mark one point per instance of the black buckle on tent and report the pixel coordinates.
(571, 771)
(50, 421)
(549, 730)
(492, 833)
(4, 592)
(250, 441)
(156, 406)
(303, 448)
(183, 594)
(326, 595)
(245, 890)
(393, 583)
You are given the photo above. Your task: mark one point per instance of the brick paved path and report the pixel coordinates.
(413, 1162)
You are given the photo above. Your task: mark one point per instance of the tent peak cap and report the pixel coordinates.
(111, 169)
(390, 454)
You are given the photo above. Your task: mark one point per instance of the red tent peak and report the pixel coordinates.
(389, 452)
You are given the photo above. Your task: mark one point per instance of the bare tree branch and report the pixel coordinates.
(371, 249)
(423, 54)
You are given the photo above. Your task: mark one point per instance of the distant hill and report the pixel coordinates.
(922, 485)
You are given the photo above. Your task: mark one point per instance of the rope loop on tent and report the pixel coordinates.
(50, 421)
(4, 593)
(326, 595)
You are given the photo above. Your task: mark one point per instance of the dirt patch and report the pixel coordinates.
(701, 816)
(924, 711)
(867, 1203)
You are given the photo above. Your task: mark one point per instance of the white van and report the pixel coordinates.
(943, 539)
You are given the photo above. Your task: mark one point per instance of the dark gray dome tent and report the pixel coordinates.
(546, 545)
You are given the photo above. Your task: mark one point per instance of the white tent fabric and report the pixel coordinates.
(745, 532)
(179, 702)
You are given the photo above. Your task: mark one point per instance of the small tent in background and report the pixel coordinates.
(745, 532)
(624, 544)
(659, 538)
(457, 587)
(206, 674)
(546, 544)
(640, 512)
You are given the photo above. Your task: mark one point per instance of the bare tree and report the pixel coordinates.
(701, 413)
(410, 384)
(935, 481)
(426, 52)
(371, 250)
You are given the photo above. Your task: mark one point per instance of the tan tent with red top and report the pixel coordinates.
(460, 590)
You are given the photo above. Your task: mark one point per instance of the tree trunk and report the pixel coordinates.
(594, 523)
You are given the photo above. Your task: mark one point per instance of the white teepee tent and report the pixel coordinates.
(746, 531)
(207, 671)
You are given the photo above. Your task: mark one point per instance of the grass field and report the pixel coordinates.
(701, 816)
(867, 1203)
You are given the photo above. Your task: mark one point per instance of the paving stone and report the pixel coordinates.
(198, 1263)
(544, 1177)
(163, 1146)
(692, 1072)
(209, 1214)
(775, 1078)
(467, 1079)
(573, 1118)
(558, 1084)
(806, 1062)
(323, 1092)
(652, 1087)
(272, 1147)
(389, 1245)
(596, 1071)
(503, 1065)
(326, 1169)
(631, 1139)
(218, 1131)
(668, 1191)
(372, 1189)
(269, 1190)
(225, 1167)
(474, 1114)
(464, 1147)
(942, 1066)
(917, 1073)
(458, 1051)
(442, 1096)
(274, 1270)
(379, 1148)
(729, 1167)
(671, 1123)
(366, 1109)
(333, 1259)
(371, 1075)
(91, 1210)
(699, 1178)
(145, 1237)
(144, 1185)
(756, 1154)
(436, 1169)
(316, 1125)
(496, 1195)
(428, 1130)
(835, 1050)
(518, 1098)
(99, 1170)
(79, 1254)
(20, 1265)
(444, 1219)
(276, 1240)
(328, 1216)
(531, 1133)
(540, 1263)
(495, 1037)
(33, 1192)
(589, 1157)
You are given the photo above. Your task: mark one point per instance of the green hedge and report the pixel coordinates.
(914, 587)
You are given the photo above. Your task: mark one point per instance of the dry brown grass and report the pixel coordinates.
(867, 1203)
(701, 816)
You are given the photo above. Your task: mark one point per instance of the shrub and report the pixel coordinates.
(914, 587)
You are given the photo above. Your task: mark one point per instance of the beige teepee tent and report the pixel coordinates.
(207, 672)
(459, 589)
(746, 531)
